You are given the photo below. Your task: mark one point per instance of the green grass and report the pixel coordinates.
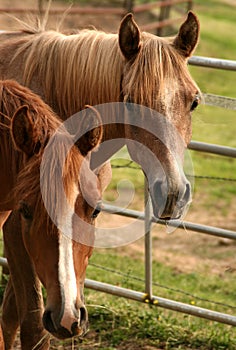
(117, 322)
(168, 282)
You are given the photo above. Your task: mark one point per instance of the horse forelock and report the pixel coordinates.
(157, 67)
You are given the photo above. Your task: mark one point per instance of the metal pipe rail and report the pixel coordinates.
(162, 302)
(155, 300)
(212, 63)
(135, 214)
(212, 148)
(154, 5)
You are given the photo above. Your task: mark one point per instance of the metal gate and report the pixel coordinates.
(147, 296)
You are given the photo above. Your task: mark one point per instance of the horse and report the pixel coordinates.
(93, 67)
(134, 67)
(27, 126)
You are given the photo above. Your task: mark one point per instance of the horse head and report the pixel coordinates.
(156, 76)
(57, 195)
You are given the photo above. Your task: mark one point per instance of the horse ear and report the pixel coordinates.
(129, 37)
(188, 35)
(92, 138)
(23, 131)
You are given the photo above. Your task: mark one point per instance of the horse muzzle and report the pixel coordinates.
(76, 325)
(170, 202)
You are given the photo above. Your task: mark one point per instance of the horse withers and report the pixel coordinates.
(57, 252)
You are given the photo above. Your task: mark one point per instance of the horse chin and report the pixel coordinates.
(178, 213)
(63, 333)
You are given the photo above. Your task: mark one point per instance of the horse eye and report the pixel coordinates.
(25, 211)
(95, 213)
(194, 104)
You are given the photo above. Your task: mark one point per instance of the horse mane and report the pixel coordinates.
(13, 96)
(64, 175)
(88, 67)
(63, 165)
(71, 67)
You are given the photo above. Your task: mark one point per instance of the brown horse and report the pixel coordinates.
(27, 126)
(93, 67)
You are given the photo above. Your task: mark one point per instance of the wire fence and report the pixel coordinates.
(159, 285)
(147, 295)
(131, 165)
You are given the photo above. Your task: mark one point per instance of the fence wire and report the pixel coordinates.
(131, 165)
(176, 290)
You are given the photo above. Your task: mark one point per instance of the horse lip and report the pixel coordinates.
(63, 333)
(166, 214)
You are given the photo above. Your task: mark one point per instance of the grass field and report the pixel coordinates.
(121, 324)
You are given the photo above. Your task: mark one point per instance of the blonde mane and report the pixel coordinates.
(88, 67)
(72, 67)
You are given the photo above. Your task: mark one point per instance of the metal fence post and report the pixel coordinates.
(148, 242)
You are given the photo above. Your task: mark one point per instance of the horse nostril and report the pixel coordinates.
(187, 194)
(80, 327)
(48, 322)
(83, 315)
(157, 188)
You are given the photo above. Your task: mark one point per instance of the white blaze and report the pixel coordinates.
(66, 269)
(67, 280)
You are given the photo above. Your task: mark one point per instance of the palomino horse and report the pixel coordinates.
(27, 125)
(93, 67)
